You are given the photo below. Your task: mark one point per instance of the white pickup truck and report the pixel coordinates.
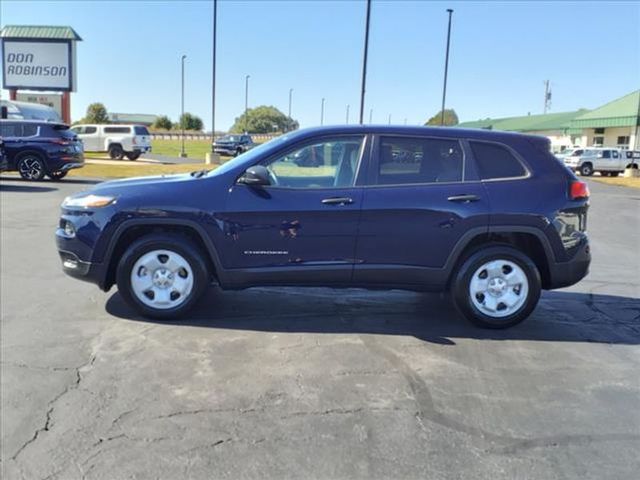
(607, 161)
(118, 140)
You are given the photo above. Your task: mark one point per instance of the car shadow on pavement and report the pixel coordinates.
(27, 188)
(559, 317)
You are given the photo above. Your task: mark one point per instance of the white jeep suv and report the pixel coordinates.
(119, 140)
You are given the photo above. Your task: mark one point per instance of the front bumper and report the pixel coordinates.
(564, 274)
(225, 150)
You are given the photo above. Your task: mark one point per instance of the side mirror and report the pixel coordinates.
(255, 176)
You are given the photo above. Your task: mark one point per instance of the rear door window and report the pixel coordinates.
(117, 130)
(90, 130)
(10, 130)
(141, 130)
(29, 130)
(408, 160)
(496, 161)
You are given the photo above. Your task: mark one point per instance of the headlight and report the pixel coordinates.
(88, 201)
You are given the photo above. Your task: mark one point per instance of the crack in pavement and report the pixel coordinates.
(51, 406)
(427, 411)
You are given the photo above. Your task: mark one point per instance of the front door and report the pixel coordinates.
(419, 202)
(302, 228)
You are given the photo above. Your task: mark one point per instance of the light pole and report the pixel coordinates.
(364, 61)
(182, 152)
(246, 101)
(322, 112)
(446, 68)
(371, 116)
(389, 119)
(213, 79)
(347, 114)
(290, 96)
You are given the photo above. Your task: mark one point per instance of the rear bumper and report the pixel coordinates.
(569, 273)
(141, 149)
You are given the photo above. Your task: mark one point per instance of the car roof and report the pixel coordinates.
(474, 133)
(39, 122)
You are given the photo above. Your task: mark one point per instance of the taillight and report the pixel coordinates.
(578, 190)
(59, 141)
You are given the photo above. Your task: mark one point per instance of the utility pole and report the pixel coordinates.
(347, 114)
(547, 96)
(182, 152)
(371, 116)
(446, 68)
(213, 78)
(322, 112)
(389, 119)
(246, 101)
(364, 61)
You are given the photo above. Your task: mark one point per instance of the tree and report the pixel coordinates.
(96, 113)
(450, 118)
(263, 119)
(162, 123)
(189, 121)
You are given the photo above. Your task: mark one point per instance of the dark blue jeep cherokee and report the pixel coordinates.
(492, 217)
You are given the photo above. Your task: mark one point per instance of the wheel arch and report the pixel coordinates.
(132, 230)
(529, 240)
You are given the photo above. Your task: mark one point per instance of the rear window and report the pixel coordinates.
(141, 130)
(117, 130)
(495, 161)
(10, 130)
(90, 130)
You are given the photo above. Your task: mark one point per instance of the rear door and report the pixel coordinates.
(421, 199)
(91, 140)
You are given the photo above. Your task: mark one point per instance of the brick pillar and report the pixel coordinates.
(66, 107)
(13, 95)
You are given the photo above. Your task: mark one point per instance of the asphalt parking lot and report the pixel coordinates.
(293, 383)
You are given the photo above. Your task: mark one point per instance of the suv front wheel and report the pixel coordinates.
(162, 275)
(496, 287)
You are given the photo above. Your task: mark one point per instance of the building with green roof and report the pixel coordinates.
(613, 124)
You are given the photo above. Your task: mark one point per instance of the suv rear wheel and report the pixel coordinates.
(133, 156)
(586, 170)
(116, 152)
(496, 287)
(162, 275)
(31, 167)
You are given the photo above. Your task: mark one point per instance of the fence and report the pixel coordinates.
(257, 137)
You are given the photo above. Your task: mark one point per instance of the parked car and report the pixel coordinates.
(607, 161)
(490, 216)
(4, 163)
(118, 140)
(36, 148)
(233, 145)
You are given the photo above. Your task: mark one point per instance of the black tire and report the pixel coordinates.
(604, 174)
(116, 152)
(614, 174)
(168, 242)
(57, 175)
(133, 156)
(460, 287)
(238, 152)
(31, 167)
(586, 169)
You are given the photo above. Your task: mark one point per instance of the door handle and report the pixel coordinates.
(337, 201)
(464, 198)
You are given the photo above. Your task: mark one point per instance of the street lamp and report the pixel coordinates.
(182, 152)
(347, 114)
(246, 101)
(446, 68)
(364, 61)
(290, 96)
(213, 79)
(322, 112)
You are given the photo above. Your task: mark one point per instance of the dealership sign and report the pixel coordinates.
(38, 65)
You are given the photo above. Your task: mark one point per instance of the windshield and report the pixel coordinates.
(576, 153)
(250, 156)
(230, 138)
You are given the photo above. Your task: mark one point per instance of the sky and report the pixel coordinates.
(501, 54)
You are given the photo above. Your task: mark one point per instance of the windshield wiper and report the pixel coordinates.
(199, 173)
